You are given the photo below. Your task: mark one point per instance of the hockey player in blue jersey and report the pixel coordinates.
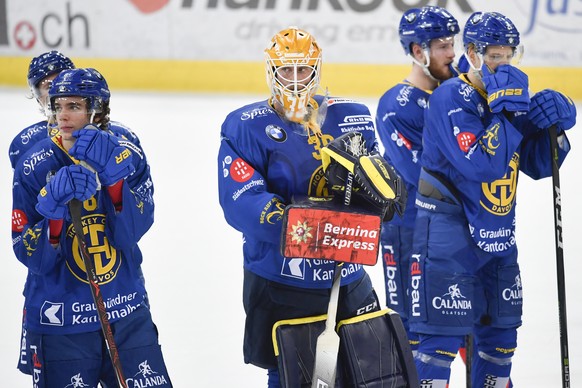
(427, 36)
(42, 70)
(481, 130)
(64, 337)
(269, 155)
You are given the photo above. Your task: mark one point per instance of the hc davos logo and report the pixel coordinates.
(107, 260)
(452, 302)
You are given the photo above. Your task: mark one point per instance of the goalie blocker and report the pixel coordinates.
(374, 351)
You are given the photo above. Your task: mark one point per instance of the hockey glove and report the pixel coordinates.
(507, 89)
(69, 182)
(102, 151)
(549, 107)
(375, 184)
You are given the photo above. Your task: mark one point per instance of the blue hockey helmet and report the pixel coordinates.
(421, 25)
(46, 64)
(87, 83)
(489, 29)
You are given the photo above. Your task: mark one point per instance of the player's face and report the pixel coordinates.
(295, 78)
(42, 90)
(442, 54)
(71, 114)
(498, 55)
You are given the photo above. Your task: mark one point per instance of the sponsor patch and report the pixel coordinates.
(18, 220)
(241, 171)
(465, 140)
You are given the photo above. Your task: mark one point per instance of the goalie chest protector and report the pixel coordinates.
(321, 228)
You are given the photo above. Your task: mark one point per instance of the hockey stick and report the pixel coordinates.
(565, 361)
(75, 209)
(327, 347)
(468, 359)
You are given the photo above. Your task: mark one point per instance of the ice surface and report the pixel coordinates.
(193, 262)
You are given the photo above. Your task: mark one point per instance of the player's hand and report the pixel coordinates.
(102, 151)
(507, 89)
(69, 182)
(549, 107)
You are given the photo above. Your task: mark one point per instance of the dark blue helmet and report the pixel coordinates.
(489, 29)
(46, 64)
(421, 25)
(87, 83)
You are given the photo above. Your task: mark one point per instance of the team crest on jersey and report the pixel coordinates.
(276, 133)
(498, 197)
(106, 258)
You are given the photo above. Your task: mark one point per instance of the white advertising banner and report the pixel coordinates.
(350, 31)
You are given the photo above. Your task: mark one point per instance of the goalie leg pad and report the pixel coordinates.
(294, 341)
(374, 351)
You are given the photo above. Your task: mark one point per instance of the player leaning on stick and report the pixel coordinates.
(481, 130)
(64, 337)
(270, 154)
(42, 70)
(427, 36)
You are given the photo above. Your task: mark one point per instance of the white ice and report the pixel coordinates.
(193, 259)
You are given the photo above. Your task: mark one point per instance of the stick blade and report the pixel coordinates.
(326, 360)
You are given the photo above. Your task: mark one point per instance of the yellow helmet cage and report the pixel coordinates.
(290, 53)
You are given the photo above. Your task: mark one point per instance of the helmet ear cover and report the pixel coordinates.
(288, 55)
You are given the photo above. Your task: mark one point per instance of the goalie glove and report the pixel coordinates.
(376, 185)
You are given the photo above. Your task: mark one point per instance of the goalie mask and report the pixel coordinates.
(293, 64)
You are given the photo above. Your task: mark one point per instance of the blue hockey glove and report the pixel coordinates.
(102, 151)
(549, 107)
(69, 182)
(507, 89)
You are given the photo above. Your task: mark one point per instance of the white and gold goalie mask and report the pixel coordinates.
(293, 64)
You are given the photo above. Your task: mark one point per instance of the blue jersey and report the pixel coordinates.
(399, 122)
(263, 163)
(57, 295)
(479, 154)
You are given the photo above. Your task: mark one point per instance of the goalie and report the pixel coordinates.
(270, 152)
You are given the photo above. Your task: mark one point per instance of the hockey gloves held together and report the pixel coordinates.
(102, 151)
(507, 89)
(549, 107)
(375, 185)
(69, 182)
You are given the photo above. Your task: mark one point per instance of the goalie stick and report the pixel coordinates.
(565, 360)
(327, 347)
(75, 209)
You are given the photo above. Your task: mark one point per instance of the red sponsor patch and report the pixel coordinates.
(332, 235)
(18, 220)
(149, 6)
(465, 140)
(241, 171)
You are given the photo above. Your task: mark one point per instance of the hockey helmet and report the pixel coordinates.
(421, 25)
(46, 64)
(489, 29)
(87, 83)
